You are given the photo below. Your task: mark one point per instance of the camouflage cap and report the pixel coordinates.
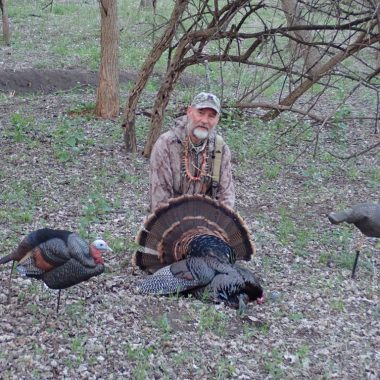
(206, 100)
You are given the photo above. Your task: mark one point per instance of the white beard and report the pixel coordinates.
(200, 133)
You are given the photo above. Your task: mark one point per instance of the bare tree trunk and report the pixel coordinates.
(162, 100)
(147, 3)
(6, 30)
(376, 6)
(160, 105)
(107, 94)
(146, 71)
(335, 60)
(378, 30)
(309, 53)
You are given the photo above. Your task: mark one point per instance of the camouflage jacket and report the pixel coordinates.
(168, 168)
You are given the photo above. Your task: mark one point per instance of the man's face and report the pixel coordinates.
(201, 123)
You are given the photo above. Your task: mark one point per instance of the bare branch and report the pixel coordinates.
(265, 105)
(357, 154)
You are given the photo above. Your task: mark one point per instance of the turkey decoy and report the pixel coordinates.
(191, 245)
(366, 217)
(59, 258)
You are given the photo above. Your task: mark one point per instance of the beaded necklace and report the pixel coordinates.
(186, 161)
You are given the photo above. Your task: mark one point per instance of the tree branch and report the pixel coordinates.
(357, 154)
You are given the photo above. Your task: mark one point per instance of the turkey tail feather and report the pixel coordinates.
(164, 282)
(169, 229)
(146, 261)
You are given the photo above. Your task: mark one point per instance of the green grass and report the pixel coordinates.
(353, 173)
(79, 20)
(142, 127)
(19, 198)
(66, 8)
(272, 171)
(285, 228)
(20, 127)
(337, 305)
(22, 216)
(273, 363)
(224, 369)
(296, 317)
(94, 206)
(182, 358)
(69, 139)
(138, 356)
(213, 320)
(373, 177)
(82, 108)
(164, 327)
(77, 348)
(118, 244)
(77, 312)
(343, 256)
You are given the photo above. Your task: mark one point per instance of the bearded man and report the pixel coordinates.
(191, 158)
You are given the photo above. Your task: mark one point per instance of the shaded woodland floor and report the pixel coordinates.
(42, 81)
(61, 167)
(316, 323)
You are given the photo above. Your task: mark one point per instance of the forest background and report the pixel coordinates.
(299, 83)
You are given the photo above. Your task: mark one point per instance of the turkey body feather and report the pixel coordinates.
(207, 279)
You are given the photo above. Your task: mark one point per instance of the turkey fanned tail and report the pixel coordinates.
(177, 230)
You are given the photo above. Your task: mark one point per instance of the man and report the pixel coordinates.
(185, 160)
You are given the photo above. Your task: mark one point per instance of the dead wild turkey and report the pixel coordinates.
(57, 257)
(366, 217)
(191, 245)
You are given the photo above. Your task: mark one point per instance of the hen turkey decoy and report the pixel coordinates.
(191, 245)
(59, 258)
(365, 216)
